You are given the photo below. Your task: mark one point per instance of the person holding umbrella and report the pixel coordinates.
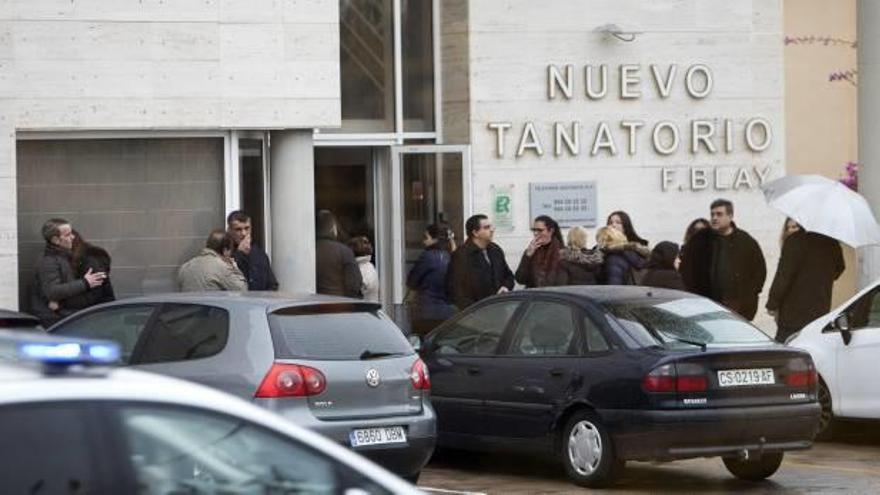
(811, 260)
(801, 290)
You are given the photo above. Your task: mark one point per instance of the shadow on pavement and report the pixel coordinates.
(678, 477)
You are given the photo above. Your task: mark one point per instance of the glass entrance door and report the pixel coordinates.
(430, 184)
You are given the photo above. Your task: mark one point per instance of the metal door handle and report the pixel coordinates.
(473, 370)
(557, 372)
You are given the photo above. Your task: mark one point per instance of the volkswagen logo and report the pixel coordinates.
(373, 377)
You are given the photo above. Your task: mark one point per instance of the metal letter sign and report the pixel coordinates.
(569, 203)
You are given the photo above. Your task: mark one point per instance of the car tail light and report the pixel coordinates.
(802, 379)
(291, 380)
(660, 379)
(421, 380)
(670, 379)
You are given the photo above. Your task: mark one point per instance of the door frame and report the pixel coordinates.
(397, 241)
(232, 184)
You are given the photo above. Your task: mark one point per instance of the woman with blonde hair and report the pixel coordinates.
(580, 266)
(622, 257)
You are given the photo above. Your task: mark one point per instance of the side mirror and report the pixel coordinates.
(416, 342)
(841, 323)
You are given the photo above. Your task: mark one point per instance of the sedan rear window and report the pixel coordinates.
(684, 322)
(337, 336)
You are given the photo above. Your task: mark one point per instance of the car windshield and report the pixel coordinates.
(684, 322)
(353, 335)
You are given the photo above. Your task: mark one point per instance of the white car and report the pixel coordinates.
(71, 427)
(845, 345)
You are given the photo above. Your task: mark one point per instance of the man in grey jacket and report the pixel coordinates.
(54, 281)
(213, 268)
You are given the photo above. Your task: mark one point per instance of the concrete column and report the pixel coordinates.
(293, 209)
(869, 125)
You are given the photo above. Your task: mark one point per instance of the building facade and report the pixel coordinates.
(144, 123)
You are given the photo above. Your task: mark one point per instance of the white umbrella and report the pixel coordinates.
(825, 206)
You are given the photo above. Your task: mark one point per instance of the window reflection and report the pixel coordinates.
(366, 44)
(418, 65)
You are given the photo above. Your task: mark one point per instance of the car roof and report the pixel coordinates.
(26, 383)
(268, 299)
(603, 294)
(6, 314)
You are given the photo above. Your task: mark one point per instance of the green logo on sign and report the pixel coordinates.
(502, 204)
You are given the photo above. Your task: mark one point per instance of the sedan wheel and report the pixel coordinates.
(587, 452)
(826, 417)
(754, 469)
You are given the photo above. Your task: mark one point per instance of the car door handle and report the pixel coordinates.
(473, 370)
(557, 372)
(529, 389)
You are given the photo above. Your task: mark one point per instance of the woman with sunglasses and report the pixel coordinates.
(540, 263)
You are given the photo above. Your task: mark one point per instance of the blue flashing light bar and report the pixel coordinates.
(70, 353)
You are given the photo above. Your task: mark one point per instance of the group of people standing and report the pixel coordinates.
(718, 260)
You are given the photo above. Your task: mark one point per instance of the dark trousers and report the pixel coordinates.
(423, 327)
(784, 331)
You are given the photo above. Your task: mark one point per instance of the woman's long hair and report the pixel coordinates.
(547, 258)
(692, 228)
(553, 225)
(784, 235)
(80, 250)
(443, 235)
(628, 228)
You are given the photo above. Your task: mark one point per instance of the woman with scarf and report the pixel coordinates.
(539, 266)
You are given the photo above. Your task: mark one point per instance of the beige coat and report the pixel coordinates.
(209, 271)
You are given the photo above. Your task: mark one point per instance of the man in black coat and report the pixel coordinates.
(725, 263)
(250, 258)
(336, 270)
(478, 268)
(801, 290)
(54, 280)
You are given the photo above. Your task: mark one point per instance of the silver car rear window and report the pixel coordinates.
(336, 336)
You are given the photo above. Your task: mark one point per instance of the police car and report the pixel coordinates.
(70, 423)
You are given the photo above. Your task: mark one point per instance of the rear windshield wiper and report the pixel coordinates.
(701, 345)
(368, 354)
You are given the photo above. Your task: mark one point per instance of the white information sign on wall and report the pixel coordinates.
(569, 203)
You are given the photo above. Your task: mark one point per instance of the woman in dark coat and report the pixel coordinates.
(801, 292)
(580, 266)
(87, 257)
(661, 270)
(622, 258)
(428, 278)
(540, 263)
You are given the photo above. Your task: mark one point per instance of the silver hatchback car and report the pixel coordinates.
(336, 366)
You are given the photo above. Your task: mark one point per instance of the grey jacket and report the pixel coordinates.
(54, 281)
(209, 271)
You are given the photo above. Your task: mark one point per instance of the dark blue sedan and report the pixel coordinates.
(601, 375)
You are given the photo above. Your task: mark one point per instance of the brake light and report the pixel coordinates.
(291, 380)
(661, 379)
(802, 379)
(666, 379)
(421, 379)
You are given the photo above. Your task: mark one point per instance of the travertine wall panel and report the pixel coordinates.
(159, 65)
(512, 42)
